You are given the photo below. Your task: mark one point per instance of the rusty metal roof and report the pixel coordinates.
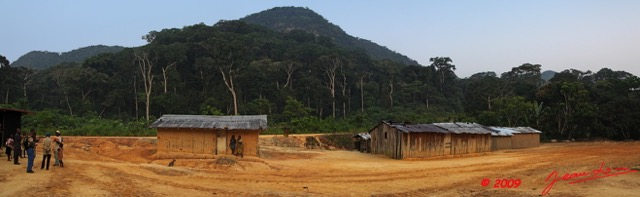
(413, 128)
(253, 122)
(466, 128)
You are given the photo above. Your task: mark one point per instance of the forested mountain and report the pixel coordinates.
(306, 82)
(45, 59)
(548, 75)
(285, 19)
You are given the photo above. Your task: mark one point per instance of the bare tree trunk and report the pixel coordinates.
(6, 98)
(27, 79)
(330, 72)
(66, 98)
(230, 86)
(344, 93)
(145, 70)
(135, 96)
(290, 69)
(489, 100)
(164, 76)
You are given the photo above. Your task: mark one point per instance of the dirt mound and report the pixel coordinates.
(310, 141)
(128, 149)
(276, 140)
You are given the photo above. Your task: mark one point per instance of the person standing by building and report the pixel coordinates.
(46, 151)
(24, 142)
(232, 144)
(17, 143)
(240, 147)
(56, 148)
(31, 154)
(9, 145)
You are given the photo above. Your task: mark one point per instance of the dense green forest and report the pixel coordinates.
(307, 82)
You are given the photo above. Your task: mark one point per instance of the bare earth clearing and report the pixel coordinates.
(103, 166)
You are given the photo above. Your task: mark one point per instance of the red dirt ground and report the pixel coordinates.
(119, 166)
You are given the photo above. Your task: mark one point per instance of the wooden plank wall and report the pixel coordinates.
(384, 145)
(525, 140)
(470, 143)
(423, 145)
(500, 142)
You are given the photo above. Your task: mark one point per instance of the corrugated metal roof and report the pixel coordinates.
(502, 131)
(254, 122)
(365, 136)
(412, 128)
(467, 128)
(509, 131)
(526, 130)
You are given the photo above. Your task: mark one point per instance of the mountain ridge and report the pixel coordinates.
(45, 59)
(285, 19)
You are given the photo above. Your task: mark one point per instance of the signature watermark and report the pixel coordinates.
(502, 183)
(579, 177)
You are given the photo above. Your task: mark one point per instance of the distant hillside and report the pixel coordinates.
(285, 19)
(547, 75)
(45, 59)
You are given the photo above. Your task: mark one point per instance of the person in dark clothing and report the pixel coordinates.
(16, 146)
(31, 153)
(232, 144)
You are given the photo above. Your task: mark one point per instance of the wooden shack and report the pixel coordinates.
(201, 134)
(525, 137)
(501, 138)
(514, 137)
(401, 141)
(10, 120)
(362, 142)
(467, 137)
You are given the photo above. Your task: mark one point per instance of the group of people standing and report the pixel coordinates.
(22, 143)
(237, 147)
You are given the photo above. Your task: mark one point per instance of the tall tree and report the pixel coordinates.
(3, 61)
(146, 66)
(443, 66)
(331, 66)
(524, 79)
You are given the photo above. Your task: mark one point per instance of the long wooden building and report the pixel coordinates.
(201, 134)
(401, 141)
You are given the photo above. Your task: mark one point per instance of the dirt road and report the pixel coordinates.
(131, 167)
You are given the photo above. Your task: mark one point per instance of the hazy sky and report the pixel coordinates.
(478, 35)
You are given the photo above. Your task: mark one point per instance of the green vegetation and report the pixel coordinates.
(307, 82)
(90, 125)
